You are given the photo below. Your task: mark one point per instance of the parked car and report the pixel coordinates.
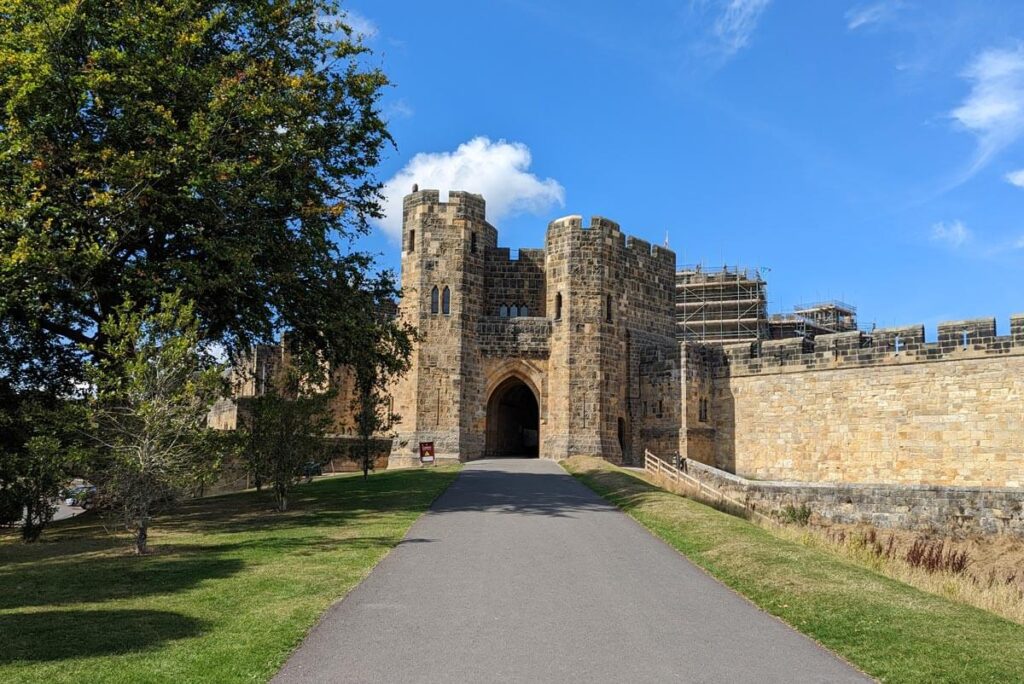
(82, 496)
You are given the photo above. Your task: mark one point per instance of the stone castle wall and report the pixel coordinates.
(518, 282)
(884, 408)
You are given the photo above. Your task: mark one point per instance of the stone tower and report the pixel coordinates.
(543, 352)
(615, 295)
(443, 244)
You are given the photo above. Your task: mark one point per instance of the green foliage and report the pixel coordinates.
(283, 430)
(153, 389)
(796, 515)
(220, 148)
(39, 453)
(375, 365)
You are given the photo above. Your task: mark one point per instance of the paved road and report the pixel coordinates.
(520, 574)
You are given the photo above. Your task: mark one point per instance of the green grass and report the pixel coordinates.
(888, 629)
(231, 588)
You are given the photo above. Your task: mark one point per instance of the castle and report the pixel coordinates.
(572, 349)
(553, 353)
(584, 347)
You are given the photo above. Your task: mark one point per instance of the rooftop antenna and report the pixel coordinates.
(666, 239)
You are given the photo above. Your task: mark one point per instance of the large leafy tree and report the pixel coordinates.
(223, 149)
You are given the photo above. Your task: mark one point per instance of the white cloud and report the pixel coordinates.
(953, 234)
(994, 109)
(497, 170)
(361, 25)
(736, 22)
(399, 109)
(874, 13)
(1016, 178)
(1019, 244)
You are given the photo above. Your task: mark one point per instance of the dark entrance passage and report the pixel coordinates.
(513, 420)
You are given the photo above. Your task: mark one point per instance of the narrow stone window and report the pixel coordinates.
(524, 310)
(622, 434)
(472, 243)
(703, 410)
(412, 240)
(608, 309)
(661, 408)
(513, 311)
(446, 301)
(503, 311)
(558, 306)
(434, 299)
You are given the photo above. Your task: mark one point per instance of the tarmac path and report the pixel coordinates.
(519, 573)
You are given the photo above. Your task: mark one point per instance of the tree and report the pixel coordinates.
(220, 148)
(284, 430)
(37, 457)
(376, 365)
(153, 389)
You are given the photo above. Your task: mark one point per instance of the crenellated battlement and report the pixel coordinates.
(956, 340)
(601, 228)
(460, 204)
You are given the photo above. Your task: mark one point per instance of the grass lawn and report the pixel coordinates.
(890, 630)
(231, 588)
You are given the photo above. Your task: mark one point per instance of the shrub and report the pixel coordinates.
(796, 516)
(932, 557)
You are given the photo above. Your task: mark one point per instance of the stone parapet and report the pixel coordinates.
(947, 510)
(957, 340)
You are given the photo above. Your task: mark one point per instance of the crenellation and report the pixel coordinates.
(883, 347)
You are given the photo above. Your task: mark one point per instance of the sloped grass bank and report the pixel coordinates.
(890, 630)
(230, 590)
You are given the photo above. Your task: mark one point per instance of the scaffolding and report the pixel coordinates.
(818, 318)
(832, 315)
(720, 305)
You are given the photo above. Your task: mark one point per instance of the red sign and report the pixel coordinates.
(426, 452)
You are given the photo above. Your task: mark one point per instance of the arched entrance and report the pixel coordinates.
(513, 420)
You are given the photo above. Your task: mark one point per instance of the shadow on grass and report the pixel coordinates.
(328, 502)
(63, 634)
(107, 578)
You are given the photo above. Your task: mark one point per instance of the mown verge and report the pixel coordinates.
(231, 588)
(890, 630)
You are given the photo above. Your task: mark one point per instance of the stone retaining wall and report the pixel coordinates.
(946, 510)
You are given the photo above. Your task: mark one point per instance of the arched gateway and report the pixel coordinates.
(513, 420)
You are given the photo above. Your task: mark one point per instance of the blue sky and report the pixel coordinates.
(864, 151)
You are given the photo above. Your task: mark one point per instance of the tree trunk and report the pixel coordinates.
(141, 539)
(366, 459)
(29, 530)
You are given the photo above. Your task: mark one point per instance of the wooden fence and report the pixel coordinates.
(661, 467)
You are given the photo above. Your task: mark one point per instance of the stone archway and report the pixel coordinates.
(513, 420)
